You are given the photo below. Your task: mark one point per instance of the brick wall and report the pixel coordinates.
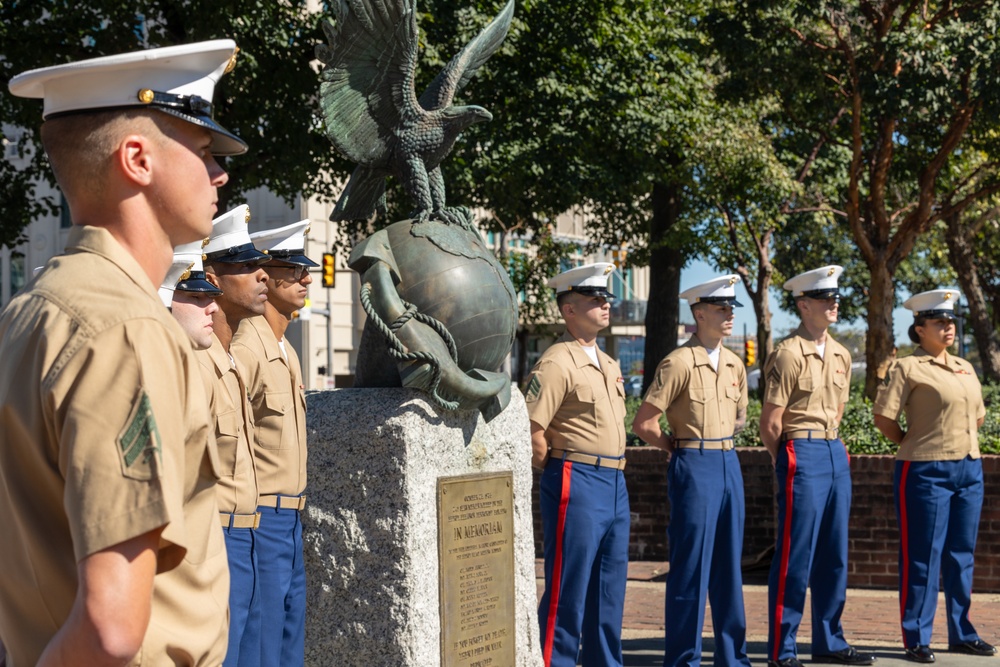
(874, 537)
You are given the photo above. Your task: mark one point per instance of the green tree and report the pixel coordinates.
(895, 87)
(529, 273)
(747, 193)
(269, 99)
(969, 236)
(593, 105)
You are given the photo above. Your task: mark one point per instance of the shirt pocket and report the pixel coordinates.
(272, 418)
(698, 399)
(227, 436)
(213, 464)
(733, 394)
(584, 395)
(620, 386)
(584, 404)
(807, 383)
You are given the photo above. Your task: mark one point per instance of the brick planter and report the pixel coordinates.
(874, 537)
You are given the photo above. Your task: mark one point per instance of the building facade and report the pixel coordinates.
(327, 334)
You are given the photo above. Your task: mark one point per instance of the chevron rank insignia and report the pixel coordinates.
(534, 388)
(139, 444)
(774, 375)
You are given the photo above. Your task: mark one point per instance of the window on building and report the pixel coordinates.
(15, 276)
(65, 222)
(18, 273)
(623, 281)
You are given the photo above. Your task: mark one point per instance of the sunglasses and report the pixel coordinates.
(298, 272)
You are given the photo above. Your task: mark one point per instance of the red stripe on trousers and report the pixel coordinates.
(550, 627)
(904, 545)
(786, 547)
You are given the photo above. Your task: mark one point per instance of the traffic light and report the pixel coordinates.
(329, 274)
(750, 352)
(618, 256)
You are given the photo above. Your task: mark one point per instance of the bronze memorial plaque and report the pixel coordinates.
(476, 555)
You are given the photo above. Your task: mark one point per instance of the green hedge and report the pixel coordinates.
(857, 428)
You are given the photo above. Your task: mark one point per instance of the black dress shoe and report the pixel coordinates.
(920, 653)
(846, 656)
(787, 662)
(975, 647)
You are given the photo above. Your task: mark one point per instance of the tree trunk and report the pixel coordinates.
(522, 355)
(665, 263)
(762, 310)
(879, 341)
(962, 258)
(762, 303)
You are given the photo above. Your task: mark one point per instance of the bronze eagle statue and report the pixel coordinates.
(371, 111)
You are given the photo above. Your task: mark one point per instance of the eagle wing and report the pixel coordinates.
(460, 70)
(366, 89)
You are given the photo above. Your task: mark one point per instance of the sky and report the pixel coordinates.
(781, 322)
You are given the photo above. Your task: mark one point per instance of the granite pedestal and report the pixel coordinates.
(371, 523)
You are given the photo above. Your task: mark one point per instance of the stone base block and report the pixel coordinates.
(370, 526)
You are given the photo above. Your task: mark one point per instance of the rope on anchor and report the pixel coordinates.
(398, 351)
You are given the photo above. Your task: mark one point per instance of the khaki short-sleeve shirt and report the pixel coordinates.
(581, 407)
(810, 388)
(698, 401)
(105, 436)
(943, 402)
(228, 401)
(278, 398)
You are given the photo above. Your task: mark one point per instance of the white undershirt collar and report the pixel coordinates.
(591, 351)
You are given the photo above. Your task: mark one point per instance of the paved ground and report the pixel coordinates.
(871, 621)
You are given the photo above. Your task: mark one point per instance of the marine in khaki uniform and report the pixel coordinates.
(576, 404)
(111, 551)
(702, 388)
(277, 394)
(808, 378)
(234, 266)
(189, 296)
(938, 481)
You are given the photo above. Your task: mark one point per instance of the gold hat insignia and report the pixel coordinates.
(947, 296)
(831, 272)
(205, 242)
(305, 232)
(247, 220)
(608, 269)
(231, 65)
(146, 96)
(187, 272)
(732, 281)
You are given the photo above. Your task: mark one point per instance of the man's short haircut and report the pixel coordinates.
(80, 146)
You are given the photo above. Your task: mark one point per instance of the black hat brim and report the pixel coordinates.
(822, 293)
(224, 142)
(593, 291)
(721, 301)
(939, 314)
(199, 286)
(244, 254)
(293, 258)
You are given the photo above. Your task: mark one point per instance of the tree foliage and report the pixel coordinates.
(268, 100)
(893, 87)
(594, 105)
